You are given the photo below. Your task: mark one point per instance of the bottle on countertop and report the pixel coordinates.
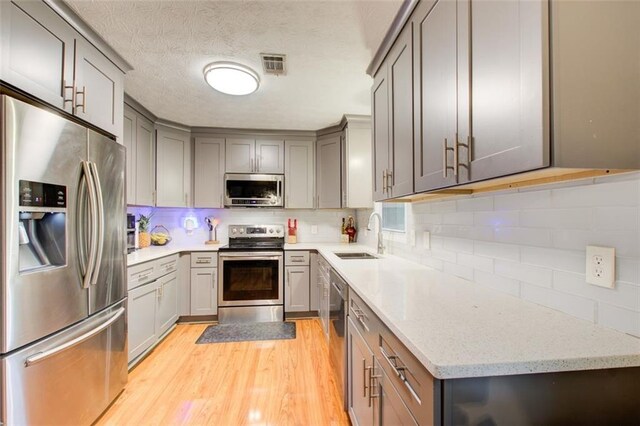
(344, 238)
(351, 230)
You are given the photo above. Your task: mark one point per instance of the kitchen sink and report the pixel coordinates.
(348, 256)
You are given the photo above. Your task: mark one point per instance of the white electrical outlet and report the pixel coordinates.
(412, 238)
(601, 266)
(426, 240)
(314, 229)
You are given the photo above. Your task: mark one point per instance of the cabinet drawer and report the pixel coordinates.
(166, 265)
(141, 274)
(412, 381)
(204, 260)
(294, 258)
(363, 317)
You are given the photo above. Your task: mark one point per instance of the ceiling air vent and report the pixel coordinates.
(273, 63)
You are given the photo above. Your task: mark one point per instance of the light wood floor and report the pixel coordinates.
(278, 382)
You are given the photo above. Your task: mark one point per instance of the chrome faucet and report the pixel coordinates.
(370, 228)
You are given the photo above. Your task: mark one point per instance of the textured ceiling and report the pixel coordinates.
(328, 46)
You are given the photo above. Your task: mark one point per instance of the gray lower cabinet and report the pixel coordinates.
(167, 313)
(152, 303)
(323, 288)
(141, 311)
(388, 407)
(204, 291)
(44, 56)
(208, 174)
(139, 140)
(359, 366)
(328, 171)
(173, 168)
(204, 283)
(299, 174)
(296, 296)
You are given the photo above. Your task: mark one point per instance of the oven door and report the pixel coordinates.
(250, 278)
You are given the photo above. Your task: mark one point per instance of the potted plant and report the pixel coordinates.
(144, 238)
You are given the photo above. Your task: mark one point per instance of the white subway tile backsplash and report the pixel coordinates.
(617, 219)
(479, 263)
(563, 260)
(458, 218)
(526, 273)
(628, 270)
(605, 194)
(496, 219)
(497, 250)
(458, 245)
(523, 236)
(623, 294)
(573, 305)
(557, 218)
(496, 282)
(625, 320)
(530, 243)
(461, 271)
(475, 204)
(523, 200)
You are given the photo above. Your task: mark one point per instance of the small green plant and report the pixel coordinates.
(143, 222)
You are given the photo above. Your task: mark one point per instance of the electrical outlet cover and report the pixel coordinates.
(601, 266)
(314, 229)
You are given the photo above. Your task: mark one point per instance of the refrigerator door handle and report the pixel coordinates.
(100, 222)
(93, 207)
(41, 356)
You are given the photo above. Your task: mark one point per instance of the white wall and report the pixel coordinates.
(530, 243)
(327, 221)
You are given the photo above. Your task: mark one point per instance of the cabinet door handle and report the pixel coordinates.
(186, 199)
(289, 278)
(372, 377)
(389, 181)
(365, 375)
(445, 163)
(82, 92)
(384, 181)
(467, 146)
(258, 157)
(251, 164)
(64, 94)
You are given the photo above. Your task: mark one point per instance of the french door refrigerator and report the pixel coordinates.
(63, 331)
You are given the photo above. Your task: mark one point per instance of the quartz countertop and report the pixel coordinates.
(457, 328)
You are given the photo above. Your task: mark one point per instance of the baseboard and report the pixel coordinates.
(197, 319)
(300, 315)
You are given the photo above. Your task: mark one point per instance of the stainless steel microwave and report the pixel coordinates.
(253, 190)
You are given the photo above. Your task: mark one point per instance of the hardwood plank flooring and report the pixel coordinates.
(278, 382)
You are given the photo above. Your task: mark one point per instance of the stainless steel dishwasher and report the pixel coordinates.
(338, 330)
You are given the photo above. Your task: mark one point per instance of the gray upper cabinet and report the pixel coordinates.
(435, 105)
(269, 156)
(99, 91)
(504, 90)
(381, 152)
(356, 163)
(138, 138)
(44, 56)
(145, 162)
(328, 171)
(129, 140)
(254, 156)
(393, 121)
(37, 52)
(173, 168)
(299, 174)
(240, 155)
(209, 160)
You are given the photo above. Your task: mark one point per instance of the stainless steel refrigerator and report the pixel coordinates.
(63, 331)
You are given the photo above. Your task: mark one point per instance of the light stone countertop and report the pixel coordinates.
(459, 329)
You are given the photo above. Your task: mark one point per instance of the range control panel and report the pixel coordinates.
(256, 231)
(38, 194)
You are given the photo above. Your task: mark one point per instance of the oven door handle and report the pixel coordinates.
(252, 256)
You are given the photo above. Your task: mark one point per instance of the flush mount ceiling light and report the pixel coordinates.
(231, 78)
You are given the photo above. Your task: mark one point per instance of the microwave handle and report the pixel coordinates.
(279, 188)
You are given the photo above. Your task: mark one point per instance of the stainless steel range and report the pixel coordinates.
(251, 276)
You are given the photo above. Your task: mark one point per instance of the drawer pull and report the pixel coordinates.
(401, 372)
